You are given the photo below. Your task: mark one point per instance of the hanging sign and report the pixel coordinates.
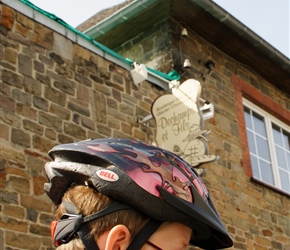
(179, 121)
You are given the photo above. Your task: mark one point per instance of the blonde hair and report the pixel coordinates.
(88, 201)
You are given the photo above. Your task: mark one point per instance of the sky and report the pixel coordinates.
(270, 19)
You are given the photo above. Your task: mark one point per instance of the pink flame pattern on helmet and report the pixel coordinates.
(157, 168)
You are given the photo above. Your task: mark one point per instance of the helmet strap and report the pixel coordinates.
(83, 230)
(144, 234)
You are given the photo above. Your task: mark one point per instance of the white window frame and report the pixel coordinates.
(269, 119)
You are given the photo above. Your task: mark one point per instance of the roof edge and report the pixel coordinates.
(215, 10)
(119, 17)
(242, 30)
(51, 21)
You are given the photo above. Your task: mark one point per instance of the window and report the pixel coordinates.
(269, 145)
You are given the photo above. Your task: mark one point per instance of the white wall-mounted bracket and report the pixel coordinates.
(207, 109)
(144, 120)
(139, 73)
(174, 84)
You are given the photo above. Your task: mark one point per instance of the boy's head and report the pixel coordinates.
(148, 184)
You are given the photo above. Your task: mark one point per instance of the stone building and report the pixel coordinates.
(60, 85)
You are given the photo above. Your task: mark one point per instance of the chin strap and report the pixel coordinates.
(144, 234)
(72, 224)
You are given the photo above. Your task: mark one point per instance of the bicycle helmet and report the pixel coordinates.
(136, 175)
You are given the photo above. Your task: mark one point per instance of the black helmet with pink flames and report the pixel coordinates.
(135, 175)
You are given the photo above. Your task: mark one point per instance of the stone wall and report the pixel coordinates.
(257, 216)
(53, 91)
(151, 47)
(56, 91)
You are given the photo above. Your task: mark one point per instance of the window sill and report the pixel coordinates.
(270, 186)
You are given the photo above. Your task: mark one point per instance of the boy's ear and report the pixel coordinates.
(118, 238)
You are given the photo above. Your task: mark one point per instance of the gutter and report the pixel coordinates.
(208, 5)
(119, 17)
(58, 25)
(243, 31)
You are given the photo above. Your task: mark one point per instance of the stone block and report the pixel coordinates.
(18, 240)
(59, 111)
(38, 183)
(55, 96)
(4, 131)
(7, 103)
(21, 30)
(42, 144)
(62, 46)
(46, 218)
(65, 86)
(14, 211)
(75, 131)
(65, 139)
(33, 127)
(81, 52)
(43, 78)
(126, 128)
(38, 66)
(31, 202)
(22, 97)
(83, 93)
(14, 224)
(26, 111)
(32, 86)
(25, 65)
(117, 114)
(88, 123)
(50, 134)
(126, 109)
(105, 130)
(10, 55)
(39, 230)
(42, 36)
(50, 121)
(8, 17)
(79, 109)
(46, 60)
(40, 103)
(21, 138)
(19, 184)
(25, 21)
(12, 78)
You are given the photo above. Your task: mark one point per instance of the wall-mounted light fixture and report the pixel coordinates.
(186, 64)
(209, 65)
(184, 32)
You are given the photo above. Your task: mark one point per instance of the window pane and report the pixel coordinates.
(248, 118)
(259, 125)
(255, 167)
(288, 161)
(251, 142)
(266, 172)
(284, 177)
(286, 139)
(277, 135)
(281, 158)
(263, 150)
